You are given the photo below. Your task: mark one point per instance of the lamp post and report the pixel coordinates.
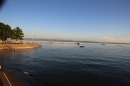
(32, 35)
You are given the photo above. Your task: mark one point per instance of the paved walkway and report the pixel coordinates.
(9, 79)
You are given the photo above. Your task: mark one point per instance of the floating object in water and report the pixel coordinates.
(25, 72)
(28, 73)
(14, 49)
(82, 46)
(0, 66)
(79, 43)
(103, 44)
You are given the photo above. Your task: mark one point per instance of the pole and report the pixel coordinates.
(32, 35)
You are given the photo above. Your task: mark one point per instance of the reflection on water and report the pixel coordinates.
(65, 65)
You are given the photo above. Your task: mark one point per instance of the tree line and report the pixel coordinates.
(7, 32)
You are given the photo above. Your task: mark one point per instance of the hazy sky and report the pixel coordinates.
(90, 20)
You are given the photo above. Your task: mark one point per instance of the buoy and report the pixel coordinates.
(14, 49)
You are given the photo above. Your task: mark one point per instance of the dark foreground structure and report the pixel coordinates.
(9, 79)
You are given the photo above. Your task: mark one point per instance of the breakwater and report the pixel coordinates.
(49, 42)
(18, 46)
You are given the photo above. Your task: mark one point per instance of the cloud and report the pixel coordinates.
(108, 38)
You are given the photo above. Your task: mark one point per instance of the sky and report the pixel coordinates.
(86, 20)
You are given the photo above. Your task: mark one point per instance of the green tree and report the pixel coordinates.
(13, 36)
(2, 25)
(5, 31)
(17, 33)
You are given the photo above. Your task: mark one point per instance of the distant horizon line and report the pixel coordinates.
(85, 41)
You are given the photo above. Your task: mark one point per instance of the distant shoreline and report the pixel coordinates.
(61, 40)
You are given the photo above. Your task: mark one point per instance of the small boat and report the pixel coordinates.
(103, 44)
(82, 46)
(79, 43)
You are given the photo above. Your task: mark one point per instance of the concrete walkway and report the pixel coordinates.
(9, 79)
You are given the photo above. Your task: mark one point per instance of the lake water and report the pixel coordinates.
(70, 65)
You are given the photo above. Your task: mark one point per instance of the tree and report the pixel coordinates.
(17, 33)
(5, 31)
(13, 34)
(2, 25)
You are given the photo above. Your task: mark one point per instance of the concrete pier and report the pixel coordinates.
(9, 79)
(51, 42)
(18, 46)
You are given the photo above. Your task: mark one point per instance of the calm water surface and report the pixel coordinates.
(70, 65)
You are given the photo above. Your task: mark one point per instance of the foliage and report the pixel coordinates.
(17, 33)
(7, 32)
